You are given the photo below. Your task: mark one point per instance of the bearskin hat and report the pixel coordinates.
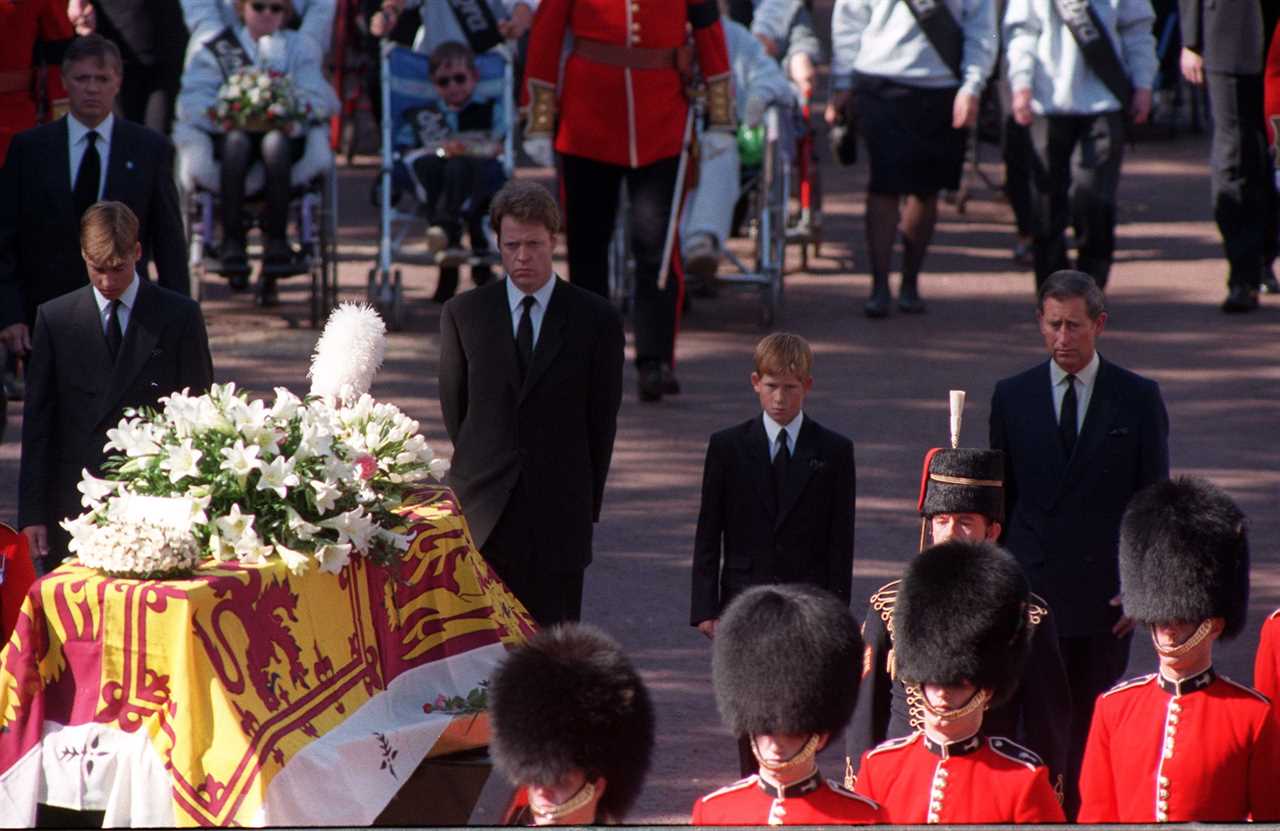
(961, 615)
(569, 699)
(786, 659)
(1184, 555)
(963, 481)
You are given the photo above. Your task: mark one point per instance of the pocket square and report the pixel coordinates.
(816, 465)
(1118, 431)
(156, 353)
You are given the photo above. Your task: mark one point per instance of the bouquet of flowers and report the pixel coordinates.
(258, 100)
(310, 481)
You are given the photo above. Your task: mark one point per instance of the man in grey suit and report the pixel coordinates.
(116, 343)
(530, 385)
(1080, 436)
(1225, 44)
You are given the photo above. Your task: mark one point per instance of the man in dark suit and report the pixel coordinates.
(777, 497)
(118, 342)
(1080, 436)
(54, 172)
(530, 385)
(1225, 44)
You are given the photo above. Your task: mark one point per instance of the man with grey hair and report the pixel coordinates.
(1080, 437)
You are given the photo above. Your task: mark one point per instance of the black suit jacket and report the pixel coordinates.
(75, 393)
(541, 447)
(1063, 515)
(1231, 35)
(745, 539)
(39, 228)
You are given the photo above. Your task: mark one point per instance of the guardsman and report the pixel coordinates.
(961, 497)
(572, 727)
(1266, 666)
(780, 666)
(32, 32)
(618, 112)
(962, 641)
(1183, 744)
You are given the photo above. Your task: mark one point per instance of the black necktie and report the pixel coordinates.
(1067, 428)
(524, 334)
(780, 461)
(114, 335)
(86, 187)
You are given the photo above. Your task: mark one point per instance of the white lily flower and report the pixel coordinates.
(286, 406)
(326, 494)
(251, 551)
(182, 461)
(300, 526)
(400, 541)
(277, 475)
(317, 440)
(220, 549)
(439, 468)
(239, 459)
(297, 562)
(234, 525)
(353, 526)
(332, 557)
(95, 490)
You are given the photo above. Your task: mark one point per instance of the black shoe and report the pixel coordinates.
(877, 306)
(670, 384)
(233, 262)
(1269, 283)
(1240, 299)
(279, 259)
(649, 382)
(266, 296)
(909, 300)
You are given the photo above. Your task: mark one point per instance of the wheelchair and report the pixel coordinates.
(406, 87)
(313, 212)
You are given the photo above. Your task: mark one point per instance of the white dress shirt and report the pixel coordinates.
(515, 298)
(1085, 379)
(127, 300)
(773, 428)
(77, 143)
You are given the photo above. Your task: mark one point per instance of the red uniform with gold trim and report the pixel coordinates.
(28, 26)
(983, 779)
(610, 113)
(1266, 665)
(1204, 749)
(814, 801)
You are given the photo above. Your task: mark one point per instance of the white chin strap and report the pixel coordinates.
(976, 703)
(574, 803)
(803, 756)
(1197, 637)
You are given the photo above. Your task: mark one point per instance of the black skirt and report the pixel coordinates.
(912, 145)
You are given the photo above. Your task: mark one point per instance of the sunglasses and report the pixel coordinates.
(445, 80)
(263, 8)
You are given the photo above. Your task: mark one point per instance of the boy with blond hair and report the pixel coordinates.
(777, 496)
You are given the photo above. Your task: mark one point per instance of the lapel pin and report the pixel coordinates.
(128, 165)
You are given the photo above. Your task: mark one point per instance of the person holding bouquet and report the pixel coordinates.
(249, 96)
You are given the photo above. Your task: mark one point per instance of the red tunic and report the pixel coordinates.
(608, 113)
(1204, 750)
(815, 801)
(22, 24)
(1266, 666)
(978, 780)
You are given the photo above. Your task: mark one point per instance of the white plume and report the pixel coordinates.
(349, 353)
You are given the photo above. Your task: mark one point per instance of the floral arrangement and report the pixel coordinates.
(128, 548)
(259, 100)
(310, 481)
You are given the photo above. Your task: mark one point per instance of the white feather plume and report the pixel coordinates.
(348, 353)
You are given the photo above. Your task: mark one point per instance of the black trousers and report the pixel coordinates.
(512, 551)
(1016, 151)
(591, 205)
(236, 151)
(1094, 663)
(1075, 172)
(1244, 195)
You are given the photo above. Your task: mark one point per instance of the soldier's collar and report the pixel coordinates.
(948, 749)
(1187, 685)
(804, 786)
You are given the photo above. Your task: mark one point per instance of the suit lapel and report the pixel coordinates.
(88, 333)
(755, 450)
(120, 165)
(799, 470)
(550, 337)
(139, 339)
(61, 177)
(1097, 421)
(1044, 421)
(502, 322)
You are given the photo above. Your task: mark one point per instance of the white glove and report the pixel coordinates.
(716, 143)
(754, 112)
(540, 150)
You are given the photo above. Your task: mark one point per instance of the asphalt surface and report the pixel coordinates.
(883, 383)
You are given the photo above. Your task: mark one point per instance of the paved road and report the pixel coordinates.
(883, 383)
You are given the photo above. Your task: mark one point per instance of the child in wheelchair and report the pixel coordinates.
(223, 150)
(453, 142)
(709, 213)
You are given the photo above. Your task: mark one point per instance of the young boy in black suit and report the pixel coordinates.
(777, 495)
